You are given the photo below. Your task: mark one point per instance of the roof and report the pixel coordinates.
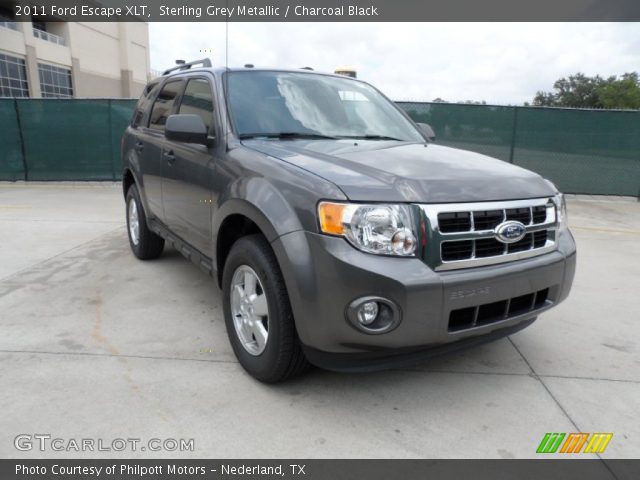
(221, 70)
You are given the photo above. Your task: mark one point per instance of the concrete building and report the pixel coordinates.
(72, 59)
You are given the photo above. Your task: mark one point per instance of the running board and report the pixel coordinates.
(190, 253)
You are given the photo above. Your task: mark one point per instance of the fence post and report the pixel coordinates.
(22, 150)
(113, 167)
(513, 133)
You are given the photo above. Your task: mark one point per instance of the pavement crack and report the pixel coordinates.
(535, 375)
(593, 379)
(110, 355)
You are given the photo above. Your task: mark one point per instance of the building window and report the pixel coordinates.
(7, 19)
(6, 23)
(13, 77)
(55, 82)
(41, 31)
(42, 26)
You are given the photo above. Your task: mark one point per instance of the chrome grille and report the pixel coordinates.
(464, 235)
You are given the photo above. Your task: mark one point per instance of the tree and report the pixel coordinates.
(545, 99)
(581, 91)
(577, 91)
(622, 93)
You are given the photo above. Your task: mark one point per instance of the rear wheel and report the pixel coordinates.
(257, 312)
(144, 243)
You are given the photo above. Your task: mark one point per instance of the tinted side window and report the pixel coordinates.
(198, 100)
(163, 105)
(144, 103)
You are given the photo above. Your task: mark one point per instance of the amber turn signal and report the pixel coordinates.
(331, 215)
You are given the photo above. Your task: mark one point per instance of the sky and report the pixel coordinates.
(500, 63)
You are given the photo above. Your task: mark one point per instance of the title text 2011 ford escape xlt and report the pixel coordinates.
(339, 233)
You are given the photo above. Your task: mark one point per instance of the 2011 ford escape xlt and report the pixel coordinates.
(340, 234)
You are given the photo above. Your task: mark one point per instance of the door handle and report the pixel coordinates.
(169, 156)
(139, 147)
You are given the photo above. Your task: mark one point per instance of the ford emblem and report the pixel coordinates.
(510, 232)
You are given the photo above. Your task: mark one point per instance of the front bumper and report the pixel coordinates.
(325, 274)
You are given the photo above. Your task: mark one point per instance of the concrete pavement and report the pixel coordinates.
(96, 344)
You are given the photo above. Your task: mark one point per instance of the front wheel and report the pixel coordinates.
(257, 312)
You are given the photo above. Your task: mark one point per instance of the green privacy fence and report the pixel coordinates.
(581, 151)
(56, 139)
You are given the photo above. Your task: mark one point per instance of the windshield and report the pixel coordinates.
(286, 105)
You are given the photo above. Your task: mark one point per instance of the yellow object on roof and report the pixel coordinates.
(347, 71)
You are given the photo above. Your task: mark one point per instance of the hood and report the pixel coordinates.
(388, 171)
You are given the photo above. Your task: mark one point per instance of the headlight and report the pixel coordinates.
(561, 211)
(381, 229)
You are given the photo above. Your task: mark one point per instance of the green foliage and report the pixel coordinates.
(581, 91)
(623, 93)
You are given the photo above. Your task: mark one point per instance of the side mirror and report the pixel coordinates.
(427, 131)
(187, 128)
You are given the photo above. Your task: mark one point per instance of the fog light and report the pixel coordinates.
(373, 315)
(367, 313)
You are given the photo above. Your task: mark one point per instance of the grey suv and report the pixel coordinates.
(340, 234)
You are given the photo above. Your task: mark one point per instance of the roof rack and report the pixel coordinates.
(205, 63)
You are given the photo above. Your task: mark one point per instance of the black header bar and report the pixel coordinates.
(327, 10)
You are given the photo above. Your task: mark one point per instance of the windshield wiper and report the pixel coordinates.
(372, 137)
(285, 135)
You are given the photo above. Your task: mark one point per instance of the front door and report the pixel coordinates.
(188, 173)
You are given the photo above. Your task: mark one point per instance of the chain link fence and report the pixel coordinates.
(581, 151)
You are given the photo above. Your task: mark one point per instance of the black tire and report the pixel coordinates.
(149, 244)
(282, 357)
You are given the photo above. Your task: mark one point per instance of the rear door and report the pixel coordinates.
(146, 165)
(152, 160)
(188, 171)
